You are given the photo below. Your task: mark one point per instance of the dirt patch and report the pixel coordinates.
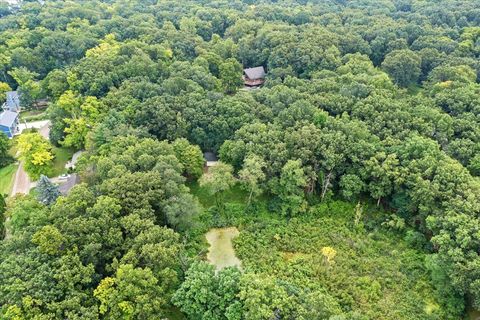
(221, 253)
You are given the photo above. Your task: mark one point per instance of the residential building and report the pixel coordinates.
(9, 123)
(13, 101)
(254, 77)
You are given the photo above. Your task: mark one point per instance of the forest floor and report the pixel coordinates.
(221, 253)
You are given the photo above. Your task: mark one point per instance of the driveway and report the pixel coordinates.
(22, 183)
(42, 126)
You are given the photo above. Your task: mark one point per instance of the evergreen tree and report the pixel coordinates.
(47, 191)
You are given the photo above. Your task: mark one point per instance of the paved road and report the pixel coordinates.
(22, 182)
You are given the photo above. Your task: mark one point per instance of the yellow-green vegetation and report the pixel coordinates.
(36, 152)
(371, 271)
(7, 175)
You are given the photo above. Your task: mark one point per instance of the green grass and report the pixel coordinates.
(13, 147)
(6, 178)
(234, 195)
(33, 115)
(62, 156)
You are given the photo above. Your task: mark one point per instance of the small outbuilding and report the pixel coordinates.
(12, 102)
(9, 123)
(210, 159)
(254, 77)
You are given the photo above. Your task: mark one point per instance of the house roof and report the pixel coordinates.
(7, 118)
(13, 99)
(12, 94)
(73, 180)
(255, 73)
(210, 156)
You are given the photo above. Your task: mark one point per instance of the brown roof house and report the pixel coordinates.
(254, 77)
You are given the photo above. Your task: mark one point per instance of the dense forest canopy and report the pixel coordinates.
(352, 173)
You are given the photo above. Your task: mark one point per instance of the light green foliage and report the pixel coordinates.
(26, 211)
(290, 189)
(122, 76)
(4, 87)
(190, 156)
(3, 208)
(36, 152)
(252, 176)
(217, 181)
(48, 239)
(29, 87)
(132, 294)
(290, 263)
(207, 295)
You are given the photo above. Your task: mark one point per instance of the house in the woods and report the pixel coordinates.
(9, 123)
(13, 101)
(254, 77)
(71, 182)
(210, 159)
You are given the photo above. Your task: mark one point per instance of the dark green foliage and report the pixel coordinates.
(47, 192)
(5, 157)
(3, 207)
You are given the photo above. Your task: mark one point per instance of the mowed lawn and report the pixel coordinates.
(62, 156)
(7, 175)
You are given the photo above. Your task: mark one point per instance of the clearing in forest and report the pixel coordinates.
(221, 253)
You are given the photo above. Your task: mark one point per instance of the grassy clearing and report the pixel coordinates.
(234, 195)
(33, 115)
(7, 175)
(62, 156)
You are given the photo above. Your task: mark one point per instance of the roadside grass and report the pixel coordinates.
(62, 156)
(13, 147)
(6, 178)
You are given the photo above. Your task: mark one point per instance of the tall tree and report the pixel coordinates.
(47, 191)
(36, 152)
(231, 75)
(403, 66)
(5, 157)
(217, 181)
(251, 176)
(290, 188)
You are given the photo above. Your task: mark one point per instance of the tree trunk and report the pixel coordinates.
(325, 185)
(378, 201)
(249, 198)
